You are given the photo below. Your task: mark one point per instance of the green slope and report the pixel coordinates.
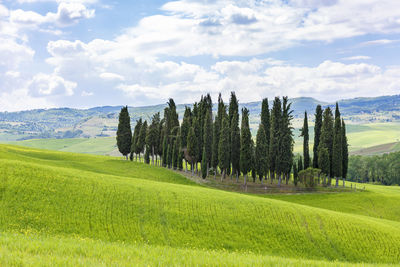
(39, 250)
(72, 195)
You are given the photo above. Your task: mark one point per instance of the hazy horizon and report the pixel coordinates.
(90, 53)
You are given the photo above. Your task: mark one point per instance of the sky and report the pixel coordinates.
(87, 53)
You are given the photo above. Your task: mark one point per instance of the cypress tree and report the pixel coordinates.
(245, 145)
(285, 152)
(317, 134)
(276, 114)
(207, 139)
(266, 122)
(204, 164)
(232, 111)
(327, 133)
(140, 146)
(261, 157)
(147, 154)
(169, 155)
(175, 154)
(186, 124)
(164, 151)
(124, 132)
(153, 136)
(337, 161)
(304, 134)
(135, 137)
(197, 132)
(192, 147)
(235, 145)
(215, 145)
(224, 147)
(180, 153)
(253, 161)
(345, 152)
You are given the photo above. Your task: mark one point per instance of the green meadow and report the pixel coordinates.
(60, 208)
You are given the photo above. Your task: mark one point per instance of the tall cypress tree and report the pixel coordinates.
(233, 109)
(345, 151)
(224, 147)
(140, 145)
(266, 122)
(135, 137)
(204, 164)
(337, 161)
(153, 136)
(295, 174)
(327, 133)
(304, 134)
(276, 114)
(164, 151)
(317, 134)
(175, 154)
(215, 144)
(192, 147)
(124, 132)
(186, 124)
(207, 138)
(246, 152)
(261, 157)
(235, 145)
(285, 152)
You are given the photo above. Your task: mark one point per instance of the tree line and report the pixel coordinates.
(215, 144)
(381, 169)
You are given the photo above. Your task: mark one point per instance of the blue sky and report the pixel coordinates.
(85, 53)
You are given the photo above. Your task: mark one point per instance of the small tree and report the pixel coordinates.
(309, 177)
(124, 132)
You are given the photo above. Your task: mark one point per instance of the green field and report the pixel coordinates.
(63, 208)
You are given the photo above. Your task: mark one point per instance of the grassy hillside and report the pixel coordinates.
(45, 193)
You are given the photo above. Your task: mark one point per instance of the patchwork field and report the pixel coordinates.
(58, 207)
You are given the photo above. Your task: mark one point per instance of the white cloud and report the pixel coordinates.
(50, 85)
(84, 93)
(357, 58)
(379, 42)
(67, 14)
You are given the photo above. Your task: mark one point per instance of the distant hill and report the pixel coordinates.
(102, 121)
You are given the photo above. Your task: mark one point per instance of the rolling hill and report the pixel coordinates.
(94, 210)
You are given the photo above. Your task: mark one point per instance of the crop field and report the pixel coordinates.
(58, 207)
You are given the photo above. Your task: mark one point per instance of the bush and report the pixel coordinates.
(309, 177)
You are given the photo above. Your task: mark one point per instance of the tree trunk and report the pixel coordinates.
(343, 182)
(324, 180)
(279, 179)
(237, 177)
(287, 178)
(126, 156)
(337, 181)
(191, 165)
(185, 165)
(245, 179)
(262, 179)
(222, 174)
(272, 176)
(135, 157)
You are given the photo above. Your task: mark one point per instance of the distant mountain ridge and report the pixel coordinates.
(102, 121)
